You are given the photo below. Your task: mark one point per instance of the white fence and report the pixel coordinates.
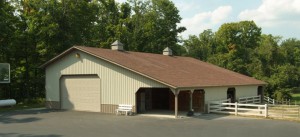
(273, 101)
(269, 100)
(273, 111)
(284, 111)
(237, 108)
(250, 100)
(283, 102)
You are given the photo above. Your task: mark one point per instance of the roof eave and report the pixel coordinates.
(209, 86)
(57, 57)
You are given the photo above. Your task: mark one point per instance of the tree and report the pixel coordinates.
(9, 25)
(269, 54)
(237, 40)
(291, 51)
(108, 24)
(201, 47)
(286, 76)
(284, 80)
(154, 26)
(238, 35)
(282, 94)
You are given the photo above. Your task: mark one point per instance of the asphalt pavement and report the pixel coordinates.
(49, 123)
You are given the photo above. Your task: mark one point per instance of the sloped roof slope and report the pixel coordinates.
(174, 71)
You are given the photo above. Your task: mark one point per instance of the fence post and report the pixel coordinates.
(208, 108)
(298, 112)
(266, 110)
(282, 112)
(236, 108)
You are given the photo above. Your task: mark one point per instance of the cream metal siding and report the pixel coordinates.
(80, 92)
(246, 91)
(220, 93)
(215, 93)
(118, 85)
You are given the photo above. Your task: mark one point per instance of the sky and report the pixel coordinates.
(276, 17)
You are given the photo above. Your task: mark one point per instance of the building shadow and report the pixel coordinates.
(210, 116)
(23, 116)
(27, 135)
(181, 114)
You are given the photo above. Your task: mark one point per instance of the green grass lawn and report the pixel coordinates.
(296, 97)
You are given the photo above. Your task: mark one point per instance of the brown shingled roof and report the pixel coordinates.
(174, 71)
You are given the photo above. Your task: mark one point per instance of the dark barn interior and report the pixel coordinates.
(148, 99)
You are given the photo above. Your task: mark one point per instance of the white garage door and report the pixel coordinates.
(80, 93)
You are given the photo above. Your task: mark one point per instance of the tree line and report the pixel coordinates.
(34, 31)
(241, 47)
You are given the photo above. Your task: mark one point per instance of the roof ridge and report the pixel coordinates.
(138, 52)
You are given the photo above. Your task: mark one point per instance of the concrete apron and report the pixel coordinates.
(166, 114)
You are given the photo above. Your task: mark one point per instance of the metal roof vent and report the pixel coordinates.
(167, 51)
(117, 45)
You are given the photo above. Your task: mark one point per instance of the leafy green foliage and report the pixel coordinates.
(201, 47)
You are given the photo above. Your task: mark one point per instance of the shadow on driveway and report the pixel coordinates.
(10, 116)
(182, 114)
(26, 135)
(210, 116)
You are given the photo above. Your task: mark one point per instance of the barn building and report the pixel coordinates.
(95, 79)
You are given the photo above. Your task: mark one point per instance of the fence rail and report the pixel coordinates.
(238, 109)
(250, 100)
(284, 111)
(273, 111)
(269, 100)
(286, 102)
